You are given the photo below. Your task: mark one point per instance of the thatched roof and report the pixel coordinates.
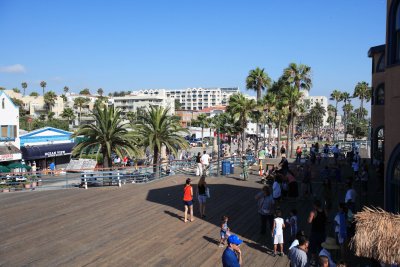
(377, 235)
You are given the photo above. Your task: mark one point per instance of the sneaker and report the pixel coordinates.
(281, 254)
(221, 245)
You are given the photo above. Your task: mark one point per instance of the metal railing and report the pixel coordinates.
(49, 180)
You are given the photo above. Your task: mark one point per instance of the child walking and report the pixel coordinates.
(277, 232)
(224, 233)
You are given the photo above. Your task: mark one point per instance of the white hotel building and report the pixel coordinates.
(317, 99)
(199, 98)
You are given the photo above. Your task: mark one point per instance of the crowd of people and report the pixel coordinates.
(331, 227)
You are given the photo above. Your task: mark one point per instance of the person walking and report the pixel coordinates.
(188, 200)
(298, 254)
(298, 154)
(232, 256)
(277, 232)
(245, 168)
(202, 196)
(224, 232)
(317, 219)
(283, 151)
(205, 161)
(265, 208)
(199, 170)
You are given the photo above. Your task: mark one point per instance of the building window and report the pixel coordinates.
(2, 104)
(394, 33)
(379, 95)
(381, 64)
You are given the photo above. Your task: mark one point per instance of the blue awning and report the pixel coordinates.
(46, 151)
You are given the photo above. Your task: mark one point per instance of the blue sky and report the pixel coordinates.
(132, 45)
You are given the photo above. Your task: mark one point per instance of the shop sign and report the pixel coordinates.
(55, 153)
(9, 157)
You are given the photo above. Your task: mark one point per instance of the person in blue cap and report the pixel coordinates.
(232, 256)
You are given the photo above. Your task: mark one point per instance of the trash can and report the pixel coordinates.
(232, 170)
(226, 167)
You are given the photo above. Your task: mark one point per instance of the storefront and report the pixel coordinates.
(47, 145)
(8, 154)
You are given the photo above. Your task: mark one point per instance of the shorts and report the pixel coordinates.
(202, 198)
(188, 203)
(223, 234)
(278, 239)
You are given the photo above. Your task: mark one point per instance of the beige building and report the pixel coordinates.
(143, 99)
(386, 105)
(35, 105)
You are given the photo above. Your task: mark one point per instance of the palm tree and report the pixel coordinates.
(363, 92)
(43, 84)
(269, 104)
(336, 95)
(258, 81)
(316, 116)
(35, 94)
(347, 109)
(155, 128)
(24, 85)
(100, 92)
(202, 121)
(346, 98)
(332, 111)
(66, 89)
(109, 135)
(80, 102)
(50, 99)
(240, 107)
(299, 77)
(68, 114)
(85, 91)
(292, 96)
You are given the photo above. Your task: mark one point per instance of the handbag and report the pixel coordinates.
(208, 192)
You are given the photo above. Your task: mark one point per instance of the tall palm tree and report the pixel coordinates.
(292, 96)
(332, 112)
(258, 80)
(336, 95)
(299, 77)
(346, 98)
(50, 99)
(347, 109)
(80, 102)
(240, 107)
(100, 91)
(316, 116)
(363, 92)
(202, 121)
(24, 86)
(68, 114)
(43, 84)
(269, 104)
(109, 135)
(155, 128)
(66, 89)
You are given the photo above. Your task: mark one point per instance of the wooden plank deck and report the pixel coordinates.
(136, 225)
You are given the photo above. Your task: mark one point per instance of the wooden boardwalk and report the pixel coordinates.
(136, 225)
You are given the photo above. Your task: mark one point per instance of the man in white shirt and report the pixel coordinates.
(350, 198)
(205, 161)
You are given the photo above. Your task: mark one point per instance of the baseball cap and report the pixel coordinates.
(234, 239)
